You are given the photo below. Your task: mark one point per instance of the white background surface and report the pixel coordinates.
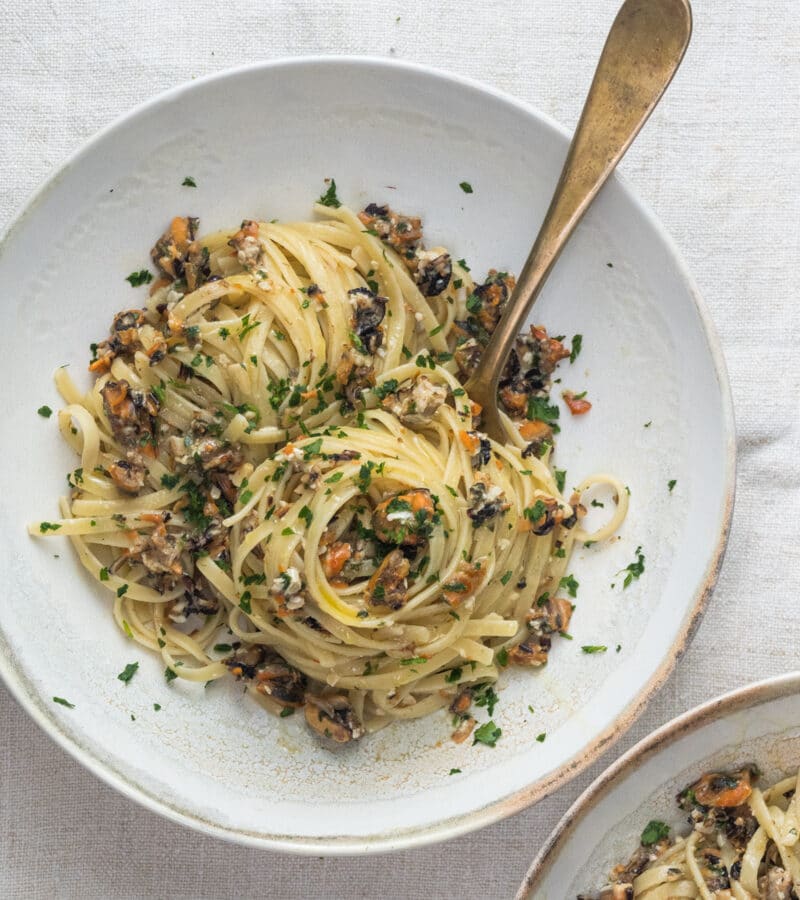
(719, 163)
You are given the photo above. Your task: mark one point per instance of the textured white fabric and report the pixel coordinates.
(719, 163)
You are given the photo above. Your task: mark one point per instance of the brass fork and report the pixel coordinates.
(642, 53)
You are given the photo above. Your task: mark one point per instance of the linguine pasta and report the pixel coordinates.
(282, 478)
(743, 845)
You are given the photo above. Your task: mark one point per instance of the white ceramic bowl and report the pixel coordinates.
(259, 141)
(759, 723)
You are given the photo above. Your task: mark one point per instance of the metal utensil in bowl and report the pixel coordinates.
(643, 50)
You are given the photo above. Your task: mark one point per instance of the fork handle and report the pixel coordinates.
(643, 50)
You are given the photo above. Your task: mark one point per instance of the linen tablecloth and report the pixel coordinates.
(719, 163)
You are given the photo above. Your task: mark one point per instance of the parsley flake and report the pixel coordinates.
(44, 527)
(135, 279)
(634, 569)
(128, 672)
(654, 832)
(329, 198)
(570, 585)
(488, 734)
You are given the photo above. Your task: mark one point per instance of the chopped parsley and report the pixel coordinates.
(473, 303)
(463, 264)
(247, 325)
(329, 198)
(135, 279)
(312, 449)
(382, 391)
(541, 737)
(122, 590)
(170, 674)
(128, 672)
(64, 702)
(45, 412)
(413, 661)
(539, 408)
(535, 512)
(188, 182)
(170, 481)
(570, 585)
(488, 734)
(244, 602)
(44, 527)
(222, 648)
(156, 706)
(594, 648)
(506, 578)
(654, 832)
(454, 772)
(577, 343)
(364, 479)
(484, 695)
(455, 587)
(286, 711)
(104, 574)
(465, 186)
(634, 569)
(306, 515)
(561, 477)
(501, 658)
(671, 484)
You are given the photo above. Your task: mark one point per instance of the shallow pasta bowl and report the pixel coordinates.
(258, 142)
(755, 724)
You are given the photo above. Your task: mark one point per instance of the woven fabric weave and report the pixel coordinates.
(719, 164)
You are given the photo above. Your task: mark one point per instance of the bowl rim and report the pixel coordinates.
(746, 697)
(451, 827)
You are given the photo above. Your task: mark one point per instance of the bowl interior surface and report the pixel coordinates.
(758, 724)
(258, 143)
